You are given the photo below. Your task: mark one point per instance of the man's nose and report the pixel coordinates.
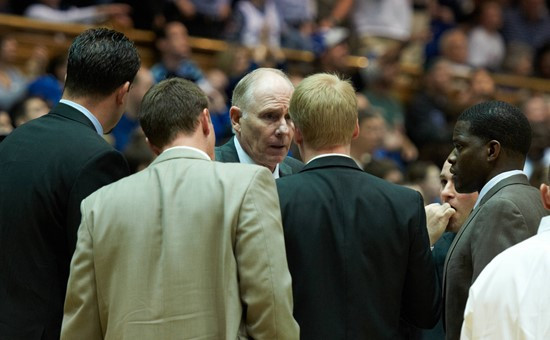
(283, 127)
(447, 193)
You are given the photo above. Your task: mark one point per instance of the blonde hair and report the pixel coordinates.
(324, 108)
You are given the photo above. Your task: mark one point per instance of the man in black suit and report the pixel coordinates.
(47, 166)
(262, 125)
(357, 246)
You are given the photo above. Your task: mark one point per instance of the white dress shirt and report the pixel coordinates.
(245, 158)
(511, 297)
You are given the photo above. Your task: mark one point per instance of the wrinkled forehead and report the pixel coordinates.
(270, 92)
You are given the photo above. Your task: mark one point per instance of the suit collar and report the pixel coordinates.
(73, 114)
(515, 179)
(228, 151)
(331, 161)
(179, 153)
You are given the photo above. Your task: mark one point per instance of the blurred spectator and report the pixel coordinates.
(13, 84)
(381, 25)
(147, 14)
(537, 111)
(481, 87)
(51, 10)
(50, 85)
(427, 120)
(175, 60)
(386, 169)
(298, 23)
(28, 109)
(138, 153)
(442, 20)
(128, 123)
(381, 79)
(203, 18)
(6, 127)
(426, 176)
(542, 61)
(221, 120)
(255, 22)
(332, 13)
(528, 22)
(372, 129)
(518, 60)
(453, 47)
(485, 44)
(332, 52)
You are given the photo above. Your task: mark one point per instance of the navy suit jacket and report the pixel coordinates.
(358, 252)
(227, 153)
(47, 166)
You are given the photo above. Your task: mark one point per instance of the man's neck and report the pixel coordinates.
(309, 153)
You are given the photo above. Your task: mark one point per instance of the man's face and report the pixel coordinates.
(264, 129)
(371, 134)
(462, 203)
(176, 41)
(468, 159)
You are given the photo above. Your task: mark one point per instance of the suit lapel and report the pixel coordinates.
(516, 179)
(284, 169)
(227, 152)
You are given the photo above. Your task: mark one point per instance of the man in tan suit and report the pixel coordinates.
(187, 248)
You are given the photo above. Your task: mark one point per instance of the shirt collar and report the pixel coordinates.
(245, 158)
(189, 148)
(85, 112)
(544, 225)
(328, 155)
(489, 185)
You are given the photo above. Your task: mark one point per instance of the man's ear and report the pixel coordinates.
(298, 136)
(205, 122)
(122, 92)
(493, 150)
(236, 114)
(156, 150)
(356, 130)
(545, 195)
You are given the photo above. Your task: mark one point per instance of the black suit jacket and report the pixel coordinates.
(47, 166)
(227, 153)
(358, 252)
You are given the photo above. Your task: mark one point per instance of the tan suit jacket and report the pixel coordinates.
(509, 213)
(186, 249)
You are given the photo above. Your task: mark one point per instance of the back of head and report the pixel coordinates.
(100, 60)
(243, 92)
(324, 108)
(170, 108)
(500, 121)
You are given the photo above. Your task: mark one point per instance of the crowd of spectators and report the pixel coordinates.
(468, 39)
